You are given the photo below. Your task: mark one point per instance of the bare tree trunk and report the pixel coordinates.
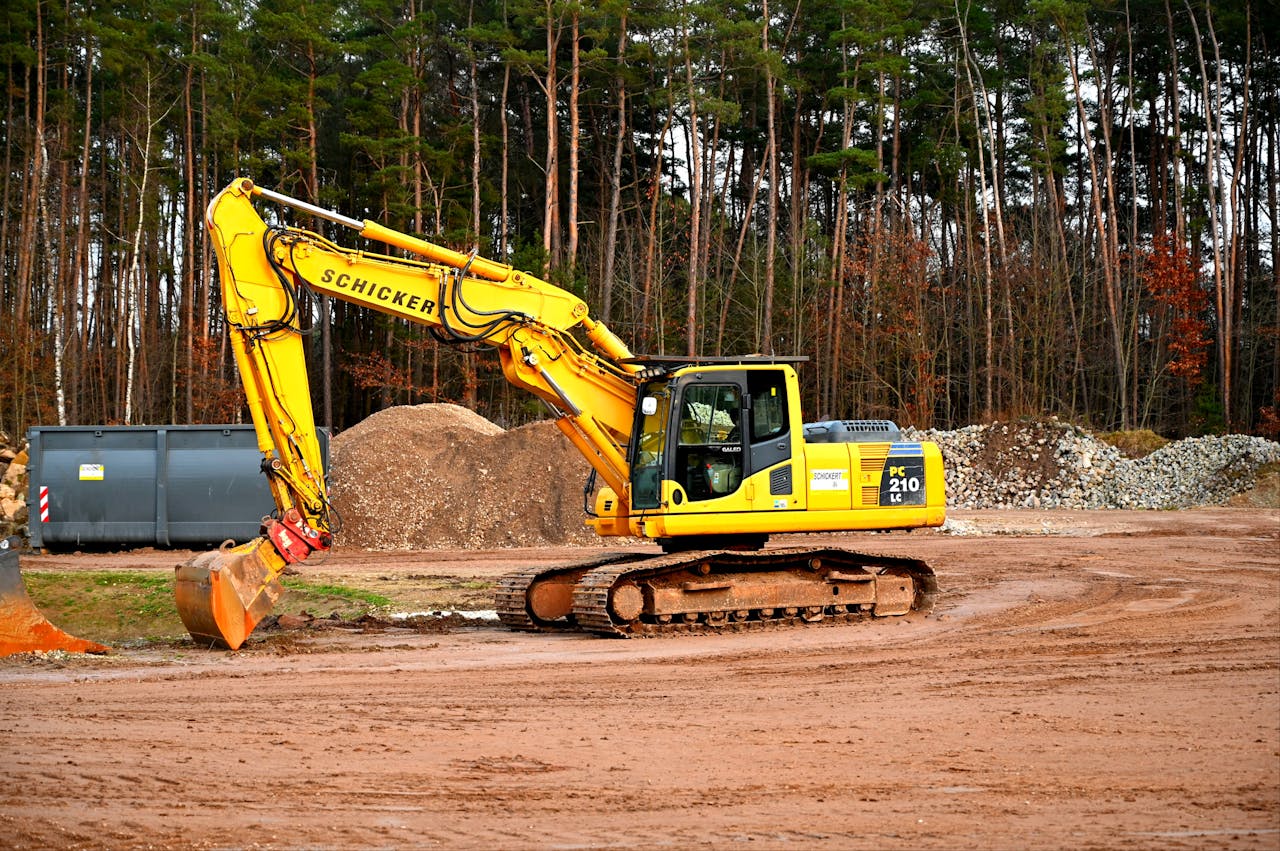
(470, 382)
(1109, 224)
(189, 288)
(67, 279)
(551, 201)
(771, 240)
(1233, 273)
(410, 162)
(651, 245)
(6, 183)
(839, 241)
(56, 314)
(710, 228)
(82, 218)
(799, 202)
(1213, 130)
(574, 131)
(313, 187)
(1176, 112)
(743, 230)
(503, 220)
(1273, 209)
(1105, 239)
(206, 290)
(615, 181)
(475, 149)
(27, 227)
(695, 200)
(133, 282)
(412, 109)
(988, 393)
(1130, 119)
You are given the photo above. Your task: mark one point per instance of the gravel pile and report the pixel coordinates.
(430, 476)
(1055, 465)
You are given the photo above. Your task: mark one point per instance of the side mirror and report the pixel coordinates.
(649, 406)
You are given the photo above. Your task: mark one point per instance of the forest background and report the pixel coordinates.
(958, 211)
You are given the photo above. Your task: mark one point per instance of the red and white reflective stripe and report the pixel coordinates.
(44, 504)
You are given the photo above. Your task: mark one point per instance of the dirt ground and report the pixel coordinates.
(1088, 680)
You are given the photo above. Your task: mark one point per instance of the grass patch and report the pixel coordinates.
(325, 599)
(1136, 443)
(425, 592)
(106, 606)
(304, 591)
(123, 606)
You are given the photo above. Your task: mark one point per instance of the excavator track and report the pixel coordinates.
(631, 594)
(540, 599)
(718, 590)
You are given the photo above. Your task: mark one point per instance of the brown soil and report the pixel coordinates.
(1023, 451)
(424, 476)
(1264, 494)
(1088, 680)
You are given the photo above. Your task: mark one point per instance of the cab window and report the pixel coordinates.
(709, 456)
(650, 448)
(768, 404)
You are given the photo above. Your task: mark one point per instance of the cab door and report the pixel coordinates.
(709, 461)
(770, 439)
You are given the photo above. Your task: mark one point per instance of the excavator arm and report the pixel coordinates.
(264, 272)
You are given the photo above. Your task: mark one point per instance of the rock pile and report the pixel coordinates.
(13, 488)
(1055, 465)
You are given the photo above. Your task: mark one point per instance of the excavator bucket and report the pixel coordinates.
(221, 595)
(23, 628)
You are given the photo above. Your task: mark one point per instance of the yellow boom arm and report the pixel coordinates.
(461, 297)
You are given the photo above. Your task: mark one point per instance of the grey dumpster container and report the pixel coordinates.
(191, 485)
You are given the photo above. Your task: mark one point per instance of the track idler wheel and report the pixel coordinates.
(627, 602)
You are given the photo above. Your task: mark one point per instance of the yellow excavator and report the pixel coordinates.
(706, 457)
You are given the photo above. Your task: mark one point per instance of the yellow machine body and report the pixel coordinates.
(725, 453)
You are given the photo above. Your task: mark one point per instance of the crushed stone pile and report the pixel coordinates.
(441, 476)
(1051, 464)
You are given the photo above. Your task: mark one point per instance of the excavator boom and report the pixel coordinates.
(263, 269)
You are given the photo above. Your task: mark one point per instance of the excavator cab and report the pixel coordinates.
(721, 457)
(706, 429)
